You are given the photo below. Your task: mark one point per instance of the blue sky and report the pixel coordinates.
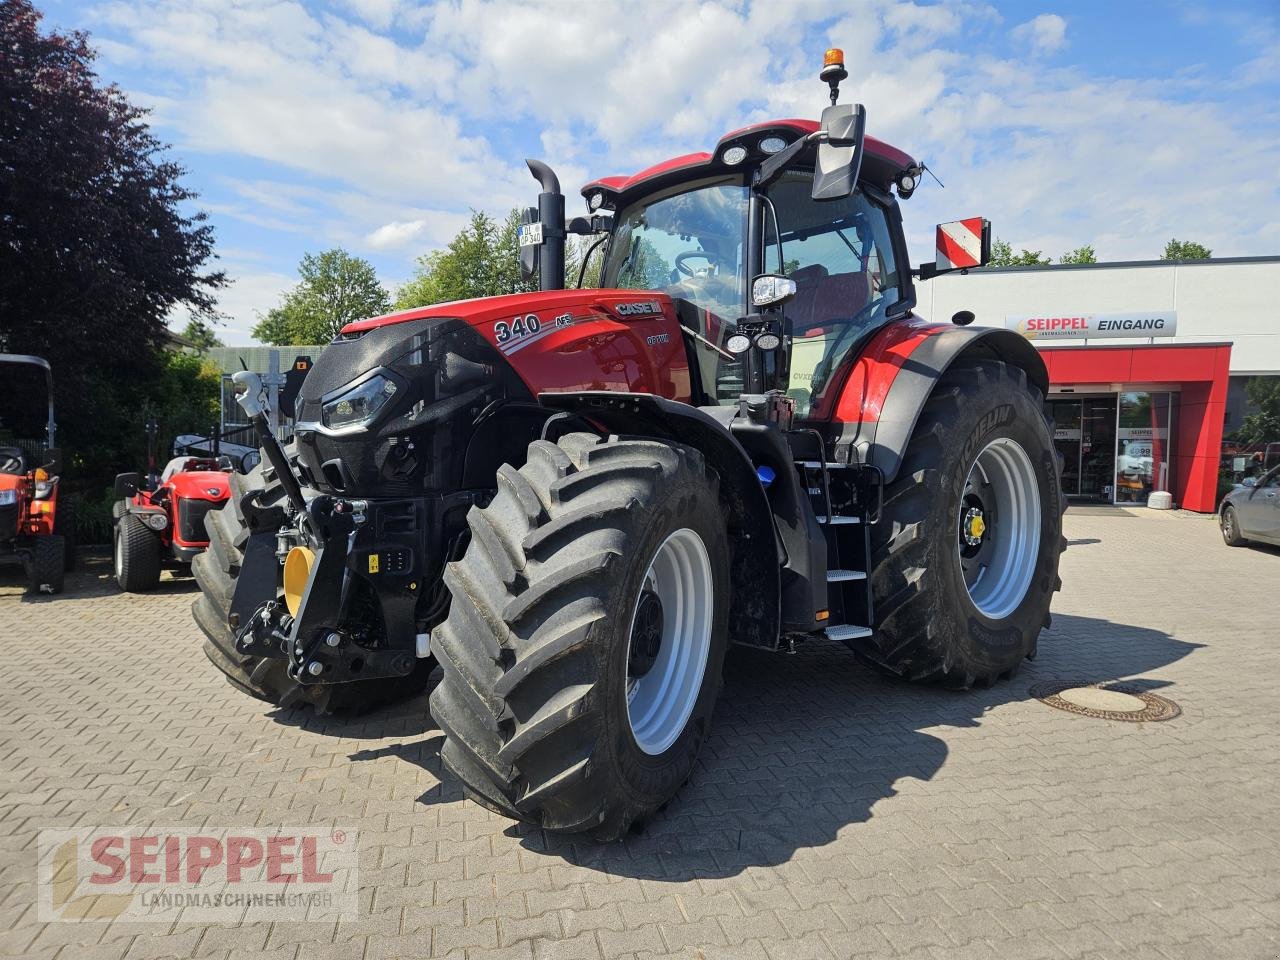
(376, 124)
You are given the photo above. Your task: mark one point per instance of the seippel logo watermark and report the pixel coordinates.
(212, 876)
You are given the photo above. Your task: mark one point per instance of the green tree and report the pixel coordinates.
(1083, 254)
(99, 241)
(201, 335)
(1002, 255)
(1263, 425)
(1185, 250)
(334, 289)
(482, 260)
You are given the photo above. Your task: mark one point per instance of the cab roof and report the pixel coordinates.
(880, 164)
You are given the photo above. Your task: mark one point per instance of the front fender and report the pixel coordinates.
(883, 441)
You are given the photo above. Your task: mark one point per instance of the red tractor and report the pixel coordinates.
(159, 521)
(573, 500)
(32, 528)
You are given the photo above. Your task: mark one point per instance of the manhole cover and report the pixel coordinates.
(1106, 701)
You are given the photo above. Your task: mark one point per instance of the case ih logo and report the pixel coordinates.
(639, 308)
(157, 875)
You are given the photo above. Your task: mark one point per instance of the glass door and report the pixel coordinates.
(1098, 448)
(1066, 439)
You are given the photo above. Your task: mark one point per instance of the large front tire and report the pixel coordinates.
(586, 634)
(965, 557)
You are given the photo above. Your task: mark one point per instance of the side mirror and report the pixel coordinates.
(839, 151)
(1249, 482)
(960, 245)
(127, 485)
(53, 460)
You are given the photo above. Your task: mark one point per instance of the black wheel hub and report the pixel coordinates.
(646, 635)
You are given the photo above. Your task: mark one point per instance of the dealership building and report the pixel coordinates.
(1147, 362)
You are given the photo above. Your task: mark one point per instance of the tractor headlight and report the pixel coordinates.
(8, 498)
(156, 521)
(358, 405)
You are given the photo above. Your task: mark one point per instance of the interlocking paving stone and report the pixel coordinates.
(833, 813)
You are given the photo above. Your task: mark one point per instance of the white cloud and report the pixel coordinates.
(379, 129)
(1046, 33)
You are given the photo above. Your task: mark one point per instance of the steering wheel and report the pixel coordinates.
(684, 268)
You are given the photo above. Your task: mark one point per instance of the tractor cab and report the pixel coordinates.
(811, 203)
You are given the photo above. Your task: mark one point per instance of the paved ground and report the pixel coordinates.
(833, 815)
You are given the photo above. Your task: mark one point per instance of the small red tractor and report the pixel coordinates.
(159, 520)
(32, 528)
(574, 500)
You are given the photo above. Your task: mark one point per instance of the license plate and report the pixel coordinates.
(530, 234)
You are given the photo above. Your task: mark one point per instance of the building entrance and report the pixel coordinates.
(1085, 434)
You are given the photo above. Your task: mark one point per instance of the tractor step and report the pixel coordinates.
(839, 576)
(847, 631)
(835, 520)
(830, 465)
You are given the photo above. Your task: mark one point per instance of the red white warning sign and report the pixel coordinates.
(960, 244)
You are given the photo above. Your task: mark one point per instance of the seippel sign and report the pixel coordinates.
(1095, 326)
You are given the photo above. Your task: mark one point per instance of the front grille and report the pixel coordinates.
(8, 521)
(191, 514)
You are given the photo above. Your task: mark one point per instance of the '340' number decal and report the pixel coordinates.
(519, 327)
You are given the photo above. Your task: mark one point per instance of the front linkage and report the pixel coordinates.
(350, 566)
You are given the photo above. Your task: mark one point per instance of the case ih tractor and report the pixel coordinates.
(574, 500)
(32, 528)
(160, 521)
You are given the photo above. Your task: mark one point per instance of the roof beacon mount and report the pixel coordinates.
(833, 71)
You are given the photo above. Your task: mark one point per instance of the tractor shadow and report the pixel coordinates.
(804, 747)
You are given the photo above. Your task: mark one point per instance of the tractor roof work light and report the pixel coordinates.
(833, 71)
(734, 155)
(738, 343)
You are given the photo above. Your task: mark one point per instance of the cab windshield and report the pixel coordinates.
(687, 244)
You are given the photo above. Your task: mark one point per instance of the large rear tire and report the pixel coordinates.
(256, 508)
(136, 555)
(965, 557)
(586, 634)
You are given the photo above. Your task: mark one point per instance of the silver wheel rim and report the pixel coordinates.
(999, 528)
(119, 555)
(1228, 525)
(661, 700)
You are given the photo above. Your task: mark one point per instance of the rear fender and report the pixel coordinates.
(883, 442)
(754, 605)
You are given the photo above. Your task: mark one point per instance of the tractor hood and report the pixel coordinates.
(397, 402)
(201, 485)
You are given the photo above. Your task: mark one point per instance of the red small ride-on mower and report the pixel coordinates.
(160, 520)
(32, 528)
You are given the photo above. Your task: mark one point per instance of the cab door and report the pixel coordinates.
(841, 255)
